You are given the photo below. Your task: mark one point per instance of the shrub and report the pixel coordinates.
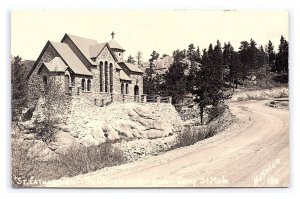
(45, 130)
(189, 135)
(211, 130)
(216, 111)
(22, 165)
(80, 159)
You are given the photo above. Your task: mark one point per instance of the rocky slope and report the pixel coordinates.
(88, 124)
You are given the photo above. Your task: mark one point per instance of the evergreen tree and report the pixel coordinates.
(245, 58)
(227, 58)
(18, 87)
(282, 57)
(149, 81)
(130, 60)
(139, 57)
(253, 57)
(175, 78)
(235, 69)
(271, 56)
(209, 88)
(262, 57)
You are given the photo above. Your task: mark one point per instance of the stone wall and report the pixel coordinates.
(35, 83)
(137, 79)
(105, 56)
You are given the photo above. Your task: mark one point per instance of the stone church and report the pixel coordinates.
(88, 68)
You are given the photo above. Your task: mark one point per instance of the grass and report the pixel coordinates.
(261, 94)
(77, 160)
(190, 135)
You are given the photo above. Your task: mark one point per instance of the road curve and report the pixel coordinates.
(251, 153)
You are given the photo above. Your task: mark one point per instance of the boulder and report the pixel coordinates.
(38, 150)
(62, 142)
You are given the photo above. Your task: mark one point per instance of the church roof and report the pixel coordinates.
(113, 44)
(96, 49)
(56, 65)
(124, 76)
(83, 44)
(131, 67)
(71, 59)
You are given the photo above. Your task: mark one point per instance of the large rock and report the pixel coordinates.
(62, 142)
(38, 150)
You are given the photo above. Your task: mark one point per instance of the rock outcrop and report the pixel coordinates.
(87, 124)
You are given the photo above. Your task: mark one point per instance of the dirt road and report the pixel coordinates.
(253, 152)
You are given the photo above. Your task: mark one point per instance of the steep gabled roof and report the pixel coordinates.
(71, 59)
(96, 49)
(131, 67)
(83, 45)
(113, 44)
(124, 76)
(56, 65)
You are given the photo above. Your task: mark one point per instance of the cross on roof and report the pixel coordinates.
(113, 34)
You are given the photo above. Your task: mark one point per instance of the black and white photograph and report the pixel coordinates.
(108, 98)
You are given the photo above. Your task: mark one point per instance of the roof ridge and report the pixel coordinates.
(81, 37)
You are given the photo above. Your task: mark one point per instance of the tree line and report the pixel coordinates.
(210, 74)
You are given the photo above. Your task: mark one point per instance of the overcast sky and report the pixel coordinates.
(161, 30)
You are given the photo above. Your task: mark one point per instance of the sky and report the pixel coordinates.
(146, 30)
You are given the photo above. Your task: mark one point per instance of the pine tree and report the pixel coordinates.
(245, 59)
(130, 60)
(282, 57)
(209, 88)
(19, 87)
(271, 56)
(227, 58)
(139, 57)
(149, 81)
(235, 69)
(253, 57)
(176, 79)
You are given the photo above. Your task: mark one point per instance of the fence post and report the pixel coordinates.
(158, 99)
(144, 98)
(170, 99)
(112, 98)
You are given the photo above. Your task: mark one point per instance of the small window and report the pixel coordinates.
(83, 84)
(119, 54)
(89, 85)
(45, 80)
(122, 88)
(126, 89)
(72, 81)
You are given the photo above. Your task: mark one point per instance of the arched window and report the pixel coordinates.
(136, 90)
(45, 80)
(122, 88)
(106, 77)
(126, 89)
(83, 84)
(88, 85)
(111, 77)
(101, 76)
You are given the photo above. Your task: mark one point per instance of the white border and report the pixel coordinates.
(7, 5)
